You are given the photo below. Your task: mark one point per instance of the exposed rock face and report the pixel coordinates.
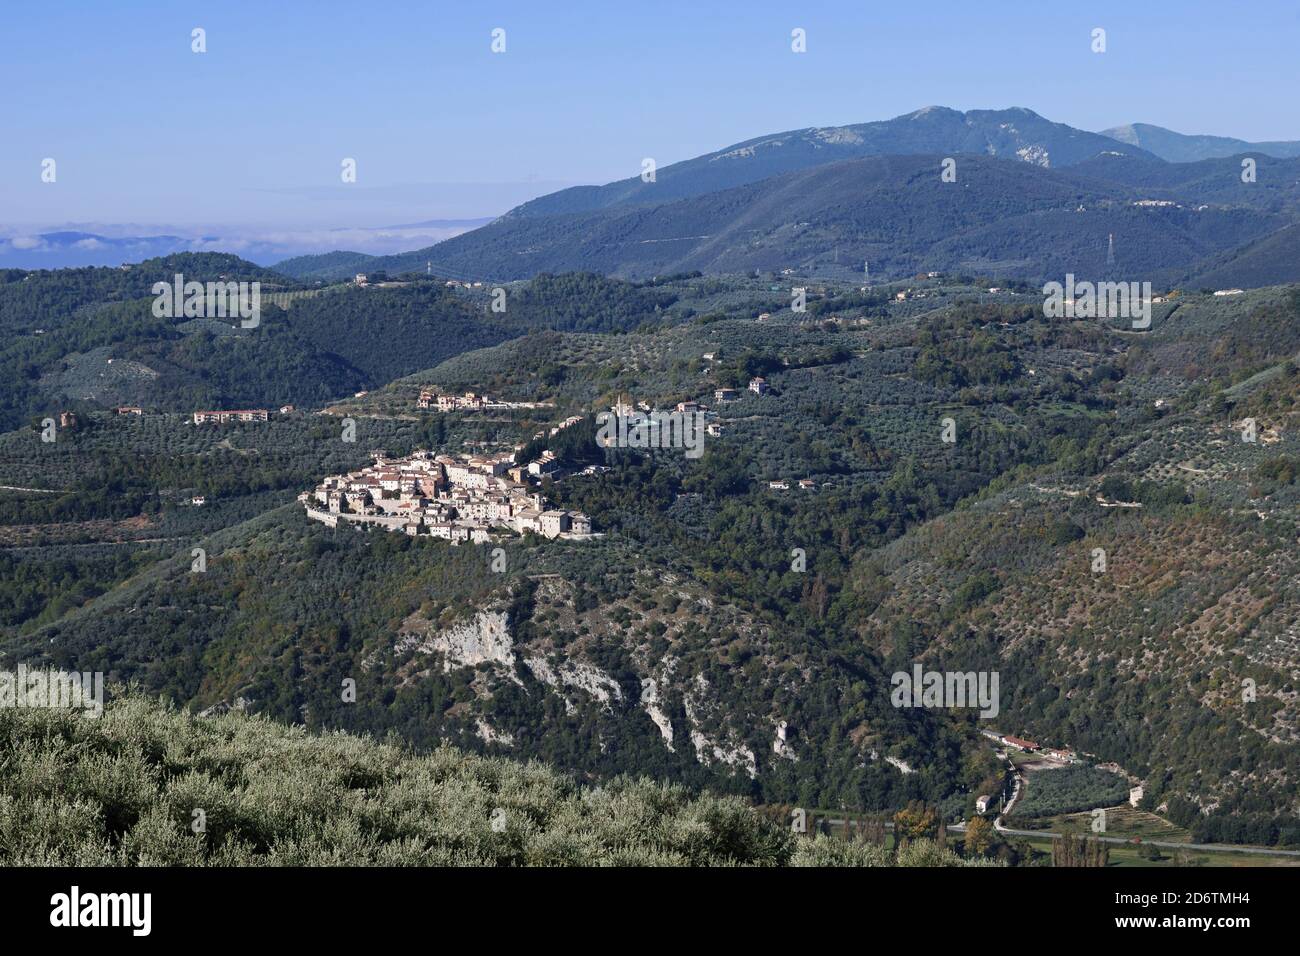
(577, 674)
(1036, 155)
(838, 135)
(709, 751)
(650, 701)
(568, 652)
(593, 680)
(485, 638)
(780, 746)
(901, 764)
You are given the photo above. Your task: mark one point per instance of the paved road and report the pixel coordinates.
(1048, 834)
(1210, 847)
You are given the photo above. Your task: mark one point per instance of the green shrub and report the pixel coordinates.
(130, 788)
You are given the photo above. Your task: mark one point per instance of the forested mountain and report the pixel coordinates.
(1275, 257)
(1017, 134)
(47, 298)
(1005, 219)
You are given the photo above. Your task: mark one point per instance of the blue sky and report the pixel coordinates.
(252, 132)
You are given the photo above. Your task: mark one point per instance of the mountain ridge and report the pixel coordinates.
(931, 129)
(1000, 218)
(1177, 147)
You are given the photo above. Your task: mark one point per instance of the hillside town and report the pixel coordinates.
(441, 496)
(472, 402)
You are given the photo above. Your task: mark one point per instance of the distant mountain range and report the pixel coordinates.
(69, 248)
(1032, 200)
(111, 245)
(1181, 148)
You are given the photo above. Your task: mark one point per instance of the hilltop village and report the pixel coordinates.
(461, 498)
(442, 496)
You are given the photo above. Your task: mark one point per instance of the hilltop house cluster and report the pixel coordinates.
(471, 401)
(758, 386)
(624, 408)
(442, 496)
